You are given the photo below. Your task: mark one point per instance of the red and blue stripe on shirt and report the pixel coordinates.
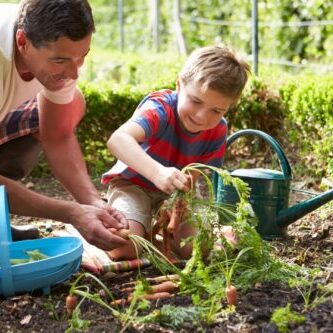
(168, 142)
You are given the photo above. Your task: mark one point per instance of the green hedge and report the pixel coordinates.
(302, 108)
(107, 108)
(310, 118)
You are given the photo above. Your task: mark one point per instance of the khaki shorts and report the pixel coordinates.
(135, 202)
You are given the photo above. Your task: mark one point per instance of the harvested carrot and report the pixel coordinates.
(71, 303)
(158, 225)
(163, 278)
(166, 286)
(123, 233)
(149, 297)
(231, 293)
(157, 288)
(156, 296)
(157, 279)
(178, 212)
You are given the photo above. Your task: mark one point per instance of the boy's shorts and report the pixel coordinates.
(135, 202)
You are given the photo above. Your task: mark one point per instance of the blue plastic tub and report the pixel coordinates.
(64, 253)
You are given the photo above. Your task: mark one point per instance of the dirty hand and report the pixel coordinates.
(168, 179)
(93, 222)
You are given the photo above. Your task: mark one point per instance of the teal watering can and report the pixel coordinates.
(269, 191)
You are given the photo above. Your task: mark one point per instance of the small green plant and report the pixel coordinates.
(284, 317)
(172, 316)
(312, 294)
(76, 324)
(52, 308)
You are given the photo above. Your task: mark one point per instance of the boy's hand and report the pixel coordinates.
(168, 179)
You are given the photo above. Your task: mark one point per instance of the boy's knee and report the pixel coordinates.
(129, 251)
(19, 156)
(185, 252)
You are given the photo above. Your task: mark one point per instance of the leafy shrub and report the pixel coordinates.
(301, 107)
(259, 108)
(107, 108)
(310, 119)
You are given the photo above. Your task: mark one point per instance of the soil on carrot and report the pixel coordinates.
(309, 243)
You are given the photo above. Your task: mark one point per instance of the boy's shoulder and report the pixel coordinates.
(166, 95)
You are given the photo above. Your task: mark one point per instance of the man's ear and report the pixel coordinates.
(21, 40)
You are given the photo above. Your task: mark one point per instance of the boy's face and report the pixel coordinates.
(200, 110)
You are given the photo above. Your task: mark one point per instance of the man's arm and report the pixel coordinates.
(123, 143)
(89, 220)
(62, 150)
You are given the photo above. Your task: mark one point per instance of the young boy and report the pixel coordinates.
(169, 130)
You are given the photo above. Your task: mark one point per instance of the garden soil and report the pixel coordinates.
(309, 243)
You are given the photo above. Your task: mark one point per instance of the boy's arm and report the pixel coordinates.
(124, 144)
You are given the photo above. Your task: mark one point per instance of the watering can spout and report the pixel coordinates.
(291, 214)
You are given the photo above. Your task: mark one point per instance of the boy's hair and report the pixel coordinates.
(44, 21)
(216, 68)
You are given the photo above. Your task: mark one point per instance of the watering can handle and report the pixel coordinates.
(285, 166)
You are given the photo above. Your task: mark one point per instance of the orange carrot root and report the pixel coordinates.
(167, 286)
(156, 296)
(71, 303)
(149, 297)
(123, 233)
(178, 212)
(163, 278)
(157, 279)
(162, 219)
(231, 293)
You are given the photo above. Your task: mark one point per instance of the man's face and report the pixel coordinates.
(53, 64)
(200, 110)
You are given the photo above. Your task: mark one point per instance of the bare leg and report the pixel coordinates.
(128, 252)
(183, 231)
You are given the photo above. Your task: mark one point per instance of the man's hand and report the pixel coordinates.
(113, 212)
(94, 223)
(168, 179)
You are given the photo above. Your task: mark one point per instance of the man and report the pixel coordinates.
(43, 43)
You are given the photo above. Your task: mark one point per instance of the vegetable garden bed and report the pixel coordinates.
(309, 244)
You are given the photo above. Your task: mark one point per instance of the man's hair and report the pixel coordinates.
(44, 21)
(216, 68)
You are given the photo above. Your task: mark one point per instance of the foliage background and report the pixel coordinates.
(296, 101)
(297, 44)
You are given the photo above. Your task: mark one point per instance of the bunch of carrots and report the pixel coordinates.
(161, 287)
(168, 220)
